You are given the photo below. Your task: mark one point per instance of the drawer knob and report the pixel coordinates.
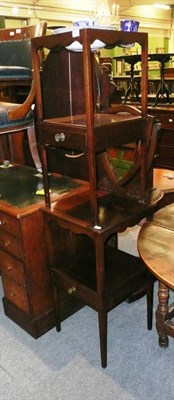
(60, 137)
(170, 120)
(72, 290)
(2, 222)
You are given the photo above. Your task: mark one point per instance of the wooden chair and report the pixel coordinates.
(15, 73)
(16, 118)
(16, 61)
(123, 176)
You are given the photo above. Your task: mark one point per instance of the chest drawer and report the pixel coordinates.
(165, 158)
(167, 121)
(15, 293)
(166, 138)
(12, 267)
(10, 224)
(11, 244)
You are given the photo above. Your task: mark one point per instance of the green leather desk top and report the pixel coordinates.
(19, 185)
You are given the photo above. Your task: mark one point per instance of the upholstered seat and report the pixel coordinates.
(14, 72)
(17, 117)
(9, 125)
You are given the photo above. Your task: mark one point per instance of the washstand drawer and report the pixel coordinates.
(10, 224)
(12, 267)
(167, 121)
(15, 293)
(11, 244)
(63, 138)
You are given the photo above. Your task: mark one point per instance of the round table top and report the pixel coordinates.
(163, 179)
(156, 245)
(165, 217)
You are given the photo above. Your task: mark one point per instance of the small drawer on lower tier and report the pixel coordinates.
(9, 224)
(15, 293)
(11, 244)
(12, 267)
(167, 120)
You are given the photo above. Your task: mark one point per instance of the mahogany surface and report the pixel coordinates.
(155, 245)
(105, 134)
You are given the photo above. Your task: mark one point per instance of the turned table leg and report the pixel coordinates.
(162, 314)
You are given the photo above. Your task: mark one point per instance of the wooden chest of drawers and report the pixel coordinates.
(26, 282)
(165, 148)
(28, 298)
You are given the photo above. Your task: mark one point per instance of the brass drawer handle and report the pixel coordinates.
(72, 290)
(60, 137)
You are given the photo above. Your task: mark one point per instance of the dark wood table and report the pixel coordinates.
(156, 248)
(163, 179)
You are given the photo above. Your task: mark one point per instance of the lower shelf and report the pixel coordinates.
(76, 274)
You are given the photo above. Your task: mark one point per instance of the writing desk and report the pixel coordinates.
(28, 297)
